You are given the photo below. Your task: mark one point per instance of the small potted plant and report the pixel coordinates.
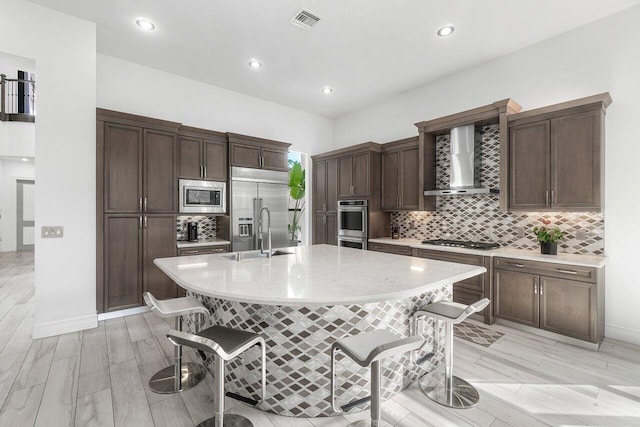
(548, 237)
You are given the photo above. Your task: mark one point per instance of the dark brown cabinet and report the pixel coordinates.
(257, 153)
(204, 250)
(159, 175)
(325, 201)
(390, 248)
(131, 243)
(469, 290)
(353, 175)
(564, 299)
(325, 229)
(400, 175)
(555, 157)
(203, 154)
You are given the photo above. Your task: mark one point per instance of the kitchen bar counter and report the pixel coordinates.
(531, 255)
(302, 303)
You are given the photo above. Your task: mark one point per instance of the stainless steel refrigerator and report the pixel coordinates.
(251, 189)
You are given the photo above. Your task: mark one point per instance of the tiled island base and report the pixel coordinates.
(299, 340)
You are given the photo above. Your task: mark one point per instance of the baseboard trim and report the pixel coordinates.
(122, 313)
(620, 333)
(551, 335)
(59, 327)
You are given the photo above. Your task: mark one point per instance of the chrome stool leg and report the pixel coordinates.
(180, 376)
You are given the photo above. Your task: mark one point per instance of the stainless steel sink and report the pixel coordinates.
(239, 256)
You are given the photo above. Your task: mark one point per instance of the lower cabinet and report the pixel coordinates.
(131, 243)
(469, 290)
(390, 248)
(563, 299)
(325, 229)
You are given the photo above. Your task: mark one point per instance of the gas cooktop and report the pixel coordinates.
(462, 244)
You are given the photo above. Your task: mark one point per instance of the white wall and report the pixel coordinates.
(10, 170)
(602, 56)
(131, 88)
(16, 139)
(63, 48)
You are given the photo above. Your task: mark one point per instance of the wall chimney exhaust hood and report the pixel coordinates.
(466, 161)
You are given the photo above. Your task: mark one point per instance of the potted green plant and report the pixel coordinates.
(297, 189)
(548, 237)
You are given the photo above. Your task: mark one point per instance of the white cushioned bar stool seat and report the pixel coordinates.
(441, 385)
(369, 348)
(225, 344)
(179, 376)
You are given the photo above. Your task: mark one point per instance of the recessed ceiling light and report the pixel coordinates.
(145, 24)
(254, 63)
(327, 90)
(446, 30)
(24, 159)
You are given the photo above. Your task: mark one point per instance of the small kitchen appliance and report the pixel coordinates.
(395, 231)
(202, 196)
(192, 231)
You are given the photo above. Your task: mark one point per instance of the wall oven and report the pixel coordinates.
(352, 223)
(206, 197)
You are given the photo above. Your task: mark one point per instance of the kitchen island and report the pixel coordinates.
(302, 302)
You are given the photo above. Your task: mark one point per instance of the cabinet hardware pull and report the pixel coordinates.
(205, 171)
(140, 222)
(515, 264)
(145, 221)
(324, 219)
(560, 270)
(324, 207)
(140, 204)
(553, 197)
(535, 286)
(201, 172)
(145, 204)
(397, 201)
(546, 198)
(540, 288)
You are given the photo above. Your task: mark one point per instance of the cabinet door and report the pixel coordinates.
(390, 181)
(319, 229)
(159, 233)
(568, 307)
(215, 160)
(516, 297)
(246, 156)
(160, 182)
(190, 153)
(409, 179)
(332, 185)
(361, 175)
(122, 168)
(276, 160)
(576, 161)
(529, 166)
(332, 229)
(319, 186)
(345, 171)
(122, 272)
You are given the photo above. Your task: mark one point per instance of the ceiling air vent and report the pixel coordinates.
(305, 19)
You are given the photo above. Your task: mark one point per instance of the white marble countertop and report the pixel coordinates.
(315, 275)
(200, 243)
(567, 259)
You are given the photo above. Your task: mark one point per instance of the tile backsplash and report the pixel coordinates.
(478, 217)
(207, 226)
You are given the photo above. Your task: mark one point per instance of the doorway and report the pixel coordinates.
(25, 214)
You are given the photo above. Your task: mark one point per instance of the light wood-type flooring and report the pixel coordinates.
(98, 377)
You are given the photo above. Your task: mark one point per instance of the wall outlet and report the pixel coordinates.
(581, 235)
(52, 232)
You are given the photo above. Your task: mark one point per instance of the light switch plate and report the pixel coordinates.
(52, 232)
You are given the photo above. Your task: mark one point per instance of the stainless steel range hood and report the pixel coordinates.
(466, 161)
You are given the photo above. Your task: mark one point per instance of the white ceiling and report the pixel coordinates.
(367, 50)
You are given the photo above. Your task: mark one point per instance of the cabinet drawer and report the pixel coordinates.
(573, 272)
(204, 250)
(465, 296)
(475, 283)
(390, 249)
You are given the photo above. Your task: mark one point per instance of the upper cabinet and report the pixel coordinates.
(136, 163)
(400, 175)
(258, 153)
(556, 157)
(202, 154)
(359, 172)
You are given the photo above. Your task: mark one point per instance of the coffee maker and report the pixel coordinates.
(192, 231)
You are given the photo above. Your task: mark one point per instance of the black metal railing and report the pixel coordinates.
(17, 99)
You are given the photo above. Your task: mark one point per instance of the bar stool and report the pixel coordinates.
(443, 387)
(366, 349)
(179, 376)
(225, 344)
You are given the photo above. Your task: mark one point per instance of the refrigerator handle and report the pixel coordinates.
(256, 237)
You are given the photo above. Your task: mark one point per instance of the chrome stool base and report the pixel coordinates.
(369, 423)
(164, 381)
(458, 394)
(229, 420)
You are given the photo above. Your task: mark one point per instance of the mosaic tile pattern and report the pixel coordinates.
(479, 218)
(206, 226)
(476, 334)
(298, 341)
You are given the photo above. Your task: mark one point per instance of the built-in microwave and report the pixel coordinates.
(202, 196)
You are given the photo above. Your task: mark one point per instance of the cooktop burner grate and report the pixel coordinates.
(462, 244)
